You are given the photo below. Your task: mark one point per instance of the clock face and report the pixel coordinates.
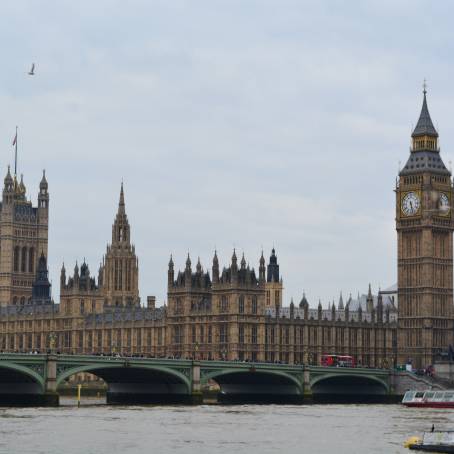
(410, 204)
(443, 204)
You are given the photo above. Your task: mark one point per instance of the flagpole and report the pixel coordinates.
(15, 155)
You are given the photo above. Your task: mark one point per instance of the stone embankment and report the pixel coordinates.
(406, 381)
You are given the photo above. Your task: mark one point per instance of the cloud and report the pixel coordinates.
(232, 123)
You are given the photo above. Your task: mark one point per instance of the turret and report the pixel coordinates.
(272, 274)
(8, 188)
(369, 301)
(22, 189)
(100, 275)
(262, 269)
(303, 302)
(243, 262)
(215, 268)
(292, 310)
(340, 305)
(170, 273)
(380, 308)
(76, 275)
(319, 309)
(188, 272)
(43, 196)
(63, 276)
(198, 266)
(234, 267)
(41, 286)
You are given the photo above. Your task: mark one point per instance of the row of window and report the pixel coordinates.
(425, 143)
(24, 259)
(223, 305)
(24, 232)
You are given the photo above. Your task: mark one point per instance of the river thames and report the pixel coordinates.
(101, 429)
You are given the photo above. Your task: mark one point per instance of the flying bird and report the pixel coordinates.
(32, 71)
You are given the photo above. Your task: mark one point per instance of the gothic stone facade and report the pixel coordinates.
(23, 238)
(235, 313)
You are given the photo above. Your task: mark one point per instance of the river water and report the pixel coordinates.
(251, 429)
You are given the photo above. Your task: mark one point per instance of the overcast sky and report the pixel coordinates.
(232, 123)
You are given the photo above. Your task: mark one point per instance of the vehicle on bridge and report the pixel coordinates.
(337, 361)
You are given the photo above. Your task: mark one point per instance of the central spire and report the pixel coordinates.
(121, 203)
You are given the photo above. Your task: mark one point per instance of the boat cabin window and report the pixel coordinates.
(420, 395)
(429, 395)
(409, 396)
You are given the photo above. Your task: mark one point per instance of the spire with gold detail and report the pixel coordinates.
(424, 136)
(425, 154)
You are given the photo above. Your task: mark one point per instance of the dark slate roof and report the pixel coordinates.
(424, 125)
(424, 161)
(120, 314)
(28, 309)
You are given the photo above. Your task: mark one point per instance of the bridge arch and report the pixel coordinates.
(136, 383)
(20, 384)
(255, 384)
(351, 387)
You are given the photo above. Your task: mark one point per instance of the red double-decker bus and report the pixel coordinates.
(337, 361)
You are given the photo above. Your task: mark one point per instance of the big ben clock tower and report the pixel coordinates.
(425, 224)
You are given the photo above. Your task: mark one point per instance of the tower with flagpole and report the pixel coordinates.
(23, 235)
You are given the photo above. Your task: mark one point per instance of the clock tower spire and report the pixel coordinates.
(424, 224)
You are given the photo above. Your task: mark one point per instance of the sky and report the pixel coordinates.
(246, 124)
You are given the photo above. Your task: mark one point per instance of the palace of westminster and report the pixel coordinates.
(234, 313)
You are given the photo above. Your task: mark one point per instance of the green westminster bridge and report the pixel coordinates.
(34, 379)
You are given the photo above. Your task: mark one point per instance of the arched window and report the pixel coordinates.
(15, 301)
(254, 304)
(120, 275)
(23, 265)
(31, 260)
(16, 258)
(22, 301)
(241, 304)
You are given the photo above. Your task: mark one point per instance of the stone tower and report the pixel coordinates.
(424, 223)
(23, 239)
(273, 284)
(120, 269)
(41, 286)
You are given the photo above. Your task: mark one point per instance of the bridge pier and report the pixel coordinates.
(50, 397)
(196, 392)
(307, 389)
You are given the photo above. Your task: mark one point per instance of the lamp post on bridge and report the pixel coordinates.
(52, 342)
(196, 348)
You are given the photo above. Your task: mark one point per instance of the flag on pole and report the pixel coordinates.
(15, 139)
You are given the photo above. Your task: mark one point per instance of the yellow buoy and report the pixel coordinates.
(412, 441)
